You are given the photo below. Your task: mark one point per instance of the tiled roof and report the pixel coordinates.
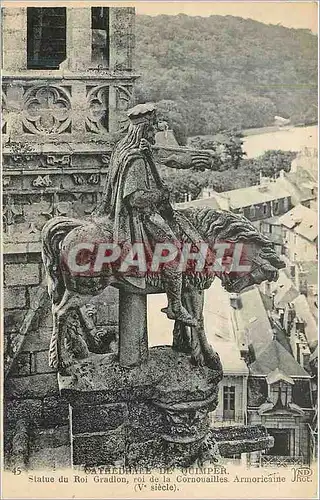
(255, 320)
(230, 358)
(240, 198)
(301, 220)
(253, 195)
(285, 291)
(275, 356)
(203, 203)
(299, 184)
(303, 312)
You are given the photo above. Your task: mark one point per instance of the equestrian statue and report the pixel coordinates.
(135, 211)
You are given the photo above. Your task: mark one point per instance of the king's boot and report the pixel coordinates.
(173, 287)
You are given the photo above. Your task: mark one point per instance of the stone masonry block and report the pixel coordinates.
(41, 362)
(34, 257)
(99, 449)
(98, 418)
(55, 411)
(146, 453)
(14, 18)
(51, 438)
(28, 409)
(13, 60)
(38, 340)
(21, 365)
(21, 274)
(35, 386)
(54, 458)
(15, 258)
(13, 320)
(14, 298)
(80, 17)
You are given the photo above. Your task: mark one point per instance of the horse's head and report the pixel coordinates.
(257, 254)
(263, 264)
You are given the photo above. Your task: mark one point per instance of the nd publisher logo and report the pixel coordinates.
(302, 475)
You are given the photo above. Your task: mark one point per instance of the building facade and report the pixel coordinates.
(300, 234)
(67, 83)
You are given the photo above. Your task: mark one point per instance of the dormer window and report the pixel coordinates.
(279, 387)
(281, 390)
(252, 210)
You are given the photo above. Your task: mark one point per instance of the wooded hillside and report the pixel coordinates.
(224, 72)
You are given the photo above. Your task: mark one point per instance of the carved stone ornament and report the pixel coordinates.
(6, 181)
(58, 159)
(94, 179)
(42, 181)
(123, 99)
(10, 212)
(46, 110)
(97, 116)
(105, 159)
(78, 179)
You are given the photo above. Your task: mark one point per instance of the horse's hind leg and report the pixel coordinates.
(202, 352)
(209, 355)
(185, 338)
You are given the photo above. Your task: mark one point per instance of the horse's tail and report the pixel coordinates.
(53, 232)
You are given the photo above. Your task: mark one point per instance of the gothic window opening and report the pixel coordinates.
(229, 396)
(100, 36)
(46, 37)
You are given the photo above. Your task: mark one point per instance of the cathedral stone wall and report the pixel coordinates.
(58, 128)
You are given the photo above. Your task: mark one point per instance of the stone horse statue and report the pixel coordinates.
(213, 225)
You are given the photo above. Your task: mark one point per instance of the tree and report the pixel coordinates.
(225, 71)
(247, 173)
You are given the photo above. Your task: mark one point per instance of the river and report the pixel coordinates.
(288, 139)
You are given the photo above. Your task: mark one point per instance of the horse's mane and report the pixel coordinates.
(223, 225)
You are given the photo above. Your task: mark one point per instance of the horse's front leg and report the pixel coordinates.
(193, 302)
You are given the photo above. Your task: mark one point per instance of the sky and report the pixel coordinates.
(293, 14)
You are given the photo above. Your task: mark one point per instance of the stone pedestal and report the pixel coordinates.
(155, 415)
